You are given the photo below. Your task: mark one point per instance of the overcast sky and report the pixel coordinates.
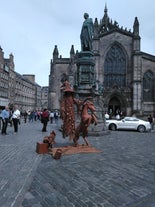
(29, 29)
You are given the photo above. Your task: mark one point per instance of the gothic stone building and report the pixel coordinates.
(125, 76)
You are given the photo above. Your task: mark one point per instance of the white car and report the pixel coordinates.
(128, 123)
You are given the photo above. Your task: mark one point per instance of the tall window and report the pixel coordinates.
(148, 86)
(115, 67)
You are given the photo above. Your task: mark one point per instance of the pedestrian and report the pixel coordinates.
(5, 119)
(35, 115)
(44, 119)
(25, 116)
(153, 120)
(16, 118)
(10, 118)
(31, 116)
(56, 116)
(106, 116)
(51, 116)
(150, 119)
(117, 116)
(38, 115)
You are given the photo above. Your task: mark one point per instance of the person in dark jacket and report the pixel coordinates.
(150, 119)
(45, 119)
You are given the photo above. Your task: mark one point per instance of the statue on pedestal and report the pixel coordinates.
(87, 32)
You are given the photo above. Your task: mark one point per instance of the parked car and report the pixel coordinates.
(128, 123)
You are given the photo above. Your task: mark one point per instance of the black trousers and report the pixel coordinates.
(44, 125)
(15, 124)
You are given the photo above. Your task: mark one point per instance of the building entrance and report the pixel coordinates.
(114, 106)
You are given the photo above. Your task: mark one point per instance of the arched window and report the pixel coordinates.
(148, 86)
(115, 67)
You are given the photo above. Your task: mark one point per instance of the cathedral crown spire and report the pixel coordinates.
(136, 27)
(105, 18)
(105, 9)
(72, 52)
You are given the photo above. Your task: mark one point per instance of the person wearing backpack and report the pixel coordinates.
(44, 119)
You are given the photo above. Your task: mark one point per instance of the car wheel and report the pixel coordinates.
(141, 128)
(112, 127)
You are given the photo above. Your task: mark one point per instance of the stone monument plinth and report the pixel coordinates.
(86, 87)
(85, 78)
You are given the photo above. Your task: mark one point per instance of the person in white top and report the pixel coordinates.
(106, 115)
(16, 118)
(51, 116)
(117, 116)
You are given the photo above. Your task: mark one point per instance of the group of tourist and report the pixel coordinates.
(31, 116)
(8, 115)
(13, 117)
(117, 115)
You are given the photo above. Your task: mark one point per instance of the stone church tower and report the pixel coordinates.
(125, 76)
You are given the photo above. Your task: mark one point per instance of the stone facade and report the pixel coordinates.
(44, 97)
(17, 89)
(124, 74)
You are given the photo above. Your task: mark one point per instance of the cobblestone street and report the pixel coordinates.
(122, 175)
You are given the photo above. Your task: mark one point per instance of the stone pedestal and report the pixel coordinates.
(85, 79)
(86, 86)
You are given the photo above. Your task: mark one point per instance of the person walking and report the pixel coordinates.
(117, 116)
(25, 116)
(44, 119)
(106, 116)
(56, 116)
(5, 119)
(150, 119)
(51, 116)
(16, 118)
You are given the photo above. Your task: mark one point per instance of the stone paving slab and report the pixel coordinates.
(122, 175)
(18, 161)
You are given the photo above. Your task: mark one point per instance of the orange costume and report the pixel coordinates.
(68, 116)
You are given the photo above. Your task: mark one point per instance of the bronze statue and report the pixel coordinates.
(68, 115)
(87, 32)
(86, 120)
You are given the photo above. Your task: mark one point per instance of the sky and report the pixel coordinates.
(29, 29)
